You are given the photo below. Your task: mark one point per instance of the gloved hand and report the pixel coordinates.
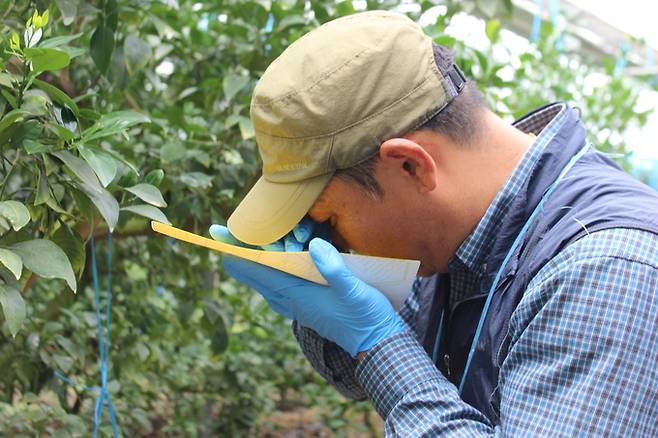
(296, 240)
(348, 311)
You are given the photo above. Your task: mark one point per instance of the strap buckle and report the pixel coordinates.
(457, 77)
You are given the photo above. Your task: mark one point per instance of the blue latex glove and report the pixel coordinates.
(348, 311)
(296, 240)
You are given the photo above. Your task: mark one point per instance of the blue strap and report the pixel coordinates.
(104, 396)
(536, 21)
(620, 65)
(511, 251)
(554, 7)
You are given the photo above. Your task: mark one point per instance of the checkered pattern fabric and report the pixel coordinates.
(584, 339)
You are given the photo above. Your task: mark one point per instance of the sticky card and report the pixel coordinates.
(393, 277)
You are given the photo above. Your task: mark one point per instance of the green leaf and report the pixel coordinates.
(12, 261)
(233, 83)
(102, 199)
(492, 29)
(58, 96)
(197, 180)
(61, 131)
(46, 259)
(149, 212)
(246, 128)
(16, 213)
(68, 9)
(79, 167)
(101, 47)
(120, 158)
(154, 177)
(11, 117)
(34, 147)
(6, 80)
(71, 242)
(62, 362)
(104, 202)
(345, 8)
(172, 151)
(43, 190)
(148, 193)
(113, 123)
(36, 102)
(290, 21)
(136, 53)
(84, 204)
(13, 306)
(11, 100)
(44, 59)
(104, 165)
(59, 40)
(89, 114)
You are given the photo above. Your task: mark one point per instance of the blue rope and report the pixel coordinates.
(536, 21)
(620, 65)
(104, 397)
(515, 244)
(554, 7)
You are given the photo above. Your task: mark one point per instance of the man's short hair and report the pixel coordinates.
(459, 120)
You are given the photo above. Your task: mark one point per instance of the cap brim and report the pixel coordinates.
(271, 210)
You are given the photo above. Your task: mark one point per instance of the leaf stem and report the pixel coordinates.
(21, 89)
(11, 169)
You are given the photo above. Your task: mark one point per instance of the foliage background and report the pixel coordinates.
(139, 108)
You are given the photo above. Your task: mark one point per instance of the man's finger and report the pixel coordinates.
(292, 245)
(331, 265)
(222, 234)
(304, 230)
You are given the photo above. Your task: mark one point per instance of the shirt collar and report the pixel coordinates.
(544, 123)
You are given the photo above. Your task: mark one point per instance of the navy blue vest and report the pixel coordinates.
(596, 192)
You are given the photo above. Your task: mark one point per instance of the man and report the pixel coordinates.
(535, 313)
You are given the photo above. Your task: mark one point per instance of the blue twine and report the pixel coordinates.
(536, 21)
(620, 65)
(554, 7)
(103, 344)
(270, 23)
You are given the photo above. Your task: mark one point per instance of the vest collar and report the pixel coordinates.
(476, 248)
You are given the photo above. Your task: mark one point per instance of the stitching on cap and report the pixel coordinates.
(422, 84)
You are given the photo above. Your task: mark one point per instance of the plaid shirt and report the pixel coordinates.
(584, 338)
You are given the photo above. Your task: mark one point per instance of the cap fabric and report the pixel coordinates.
(327, 103)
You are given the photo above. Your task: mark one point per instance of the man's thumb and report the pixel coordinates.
(330, 264)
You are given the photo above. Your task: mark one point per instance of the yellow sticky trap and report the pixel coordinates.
(393, 277)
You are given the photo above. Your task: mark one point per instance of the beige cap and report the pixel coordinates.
(327, 103)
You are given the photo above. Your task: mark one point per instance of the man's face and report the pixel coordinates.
(370, 226)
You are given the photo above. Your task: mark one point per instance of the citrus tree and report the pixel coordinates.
(116, 112)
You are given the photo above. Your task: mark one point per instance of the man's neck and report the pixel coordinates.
(478, 172)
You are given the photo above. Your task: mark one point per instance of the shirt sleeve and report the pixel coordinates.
(582, 358)
(333, 363)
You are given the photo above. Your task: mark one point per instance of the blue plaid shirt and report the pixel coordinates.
(584, 338)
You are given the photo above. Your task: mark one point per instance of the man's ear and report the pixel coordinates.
(412, 160)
